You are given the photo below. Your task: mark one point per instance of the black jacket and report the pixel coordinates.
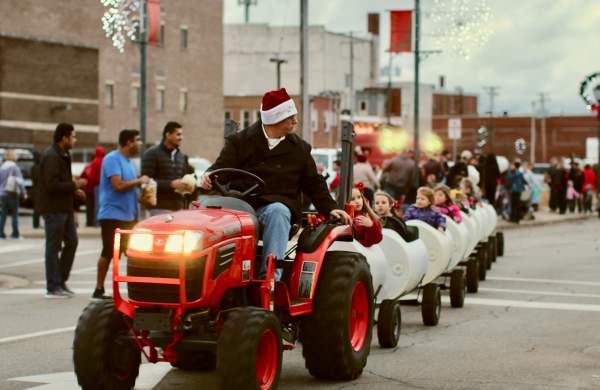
(165, 165)
(288, 169)
(56, 188)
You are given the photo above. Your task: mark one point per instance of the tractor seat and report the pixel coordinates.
(227, 202)
(408, 233)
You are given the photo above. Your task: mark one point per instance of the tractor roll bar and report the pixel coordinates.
(347, 164)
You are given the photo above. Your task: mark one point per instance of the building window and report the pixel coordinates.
(136, 97)
(256, 115)
(184, 37)
(109, 95)
(160, 99)
(314, 120)
(227, 115)
(162, 35)
(363, 105)
(328, 121)
(183, 100)
(245, 118)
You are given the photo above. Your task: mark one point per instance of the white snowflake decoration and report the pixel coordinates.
(461, 26)
(121, 20)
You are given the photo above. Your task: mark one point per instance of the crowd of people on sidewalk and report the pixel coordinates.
(515, 190)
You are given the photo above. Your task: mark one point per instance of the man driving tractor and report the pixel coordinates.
(270, 150)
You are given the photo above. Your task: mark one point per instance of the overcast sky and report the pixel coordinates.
(536, 46)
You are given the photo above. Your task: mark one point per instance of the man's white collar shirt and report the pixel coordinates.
(272, 141)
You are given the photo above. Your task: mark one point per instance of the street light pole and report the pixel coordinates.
(416, 87)
(143, 36)
(278, 62)
(306, 125)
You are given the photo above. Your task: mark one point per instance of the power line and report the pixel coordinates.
(543, 97)
(492, 92)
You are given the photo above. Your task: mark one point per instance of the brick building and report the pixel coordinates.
(184, 74)
(565, 135)
(324, 110)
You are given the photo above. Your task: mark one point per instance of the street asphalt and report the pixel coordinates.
(533, 325)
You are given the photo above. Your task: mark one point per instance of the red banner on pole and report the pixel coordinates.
(153, 22)
(400, 31)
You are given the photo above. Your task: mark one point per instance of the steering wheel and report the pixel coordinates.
(224, 188)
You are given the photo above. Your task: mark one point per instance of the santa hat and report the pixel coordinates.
(276, 106)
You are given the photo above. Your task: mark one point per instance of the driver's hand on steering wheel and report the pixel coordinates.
(341, 214)
(205, 181)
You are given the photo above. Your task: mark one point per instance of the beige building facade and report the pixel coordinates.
(184, 73)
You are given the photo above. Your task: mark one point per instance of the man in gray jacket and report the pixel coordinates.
(401, 173)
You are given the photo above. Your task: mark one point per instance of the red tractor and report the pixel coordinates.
(188, 292)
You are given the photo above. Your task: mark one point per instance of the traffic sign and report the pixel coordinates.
(454, 128)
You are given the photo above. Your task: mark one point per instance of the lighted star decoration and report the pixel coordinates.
(121, 20)
(461, 26)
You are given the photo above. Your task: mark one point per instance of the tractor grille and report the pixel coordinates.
(165, 293)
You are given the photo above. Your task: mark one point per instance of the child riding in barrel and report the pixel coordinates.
(366, 223)
(444, 203)
(423, 210)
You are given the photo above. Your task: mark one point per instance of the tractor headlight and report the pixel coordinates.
(141, 242)
(185, 243)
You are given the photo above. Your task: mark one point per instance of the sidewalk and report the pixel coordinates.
(545, 217)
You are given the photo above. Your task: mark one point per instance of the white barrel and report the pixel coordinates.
(479, 220)
(374, 255)
(493, 218)
(471, 226)
(459, 241)
(407, 264)
(438, 248)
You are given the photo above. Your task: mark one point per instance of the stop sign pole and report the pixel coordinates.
(454, 133)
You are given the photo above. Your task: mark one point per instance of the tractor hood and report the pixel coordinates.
(214, 223)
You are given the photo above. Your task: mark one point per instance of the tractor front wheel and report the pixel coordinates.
(336, 336)
(101, 360)
(249, 350)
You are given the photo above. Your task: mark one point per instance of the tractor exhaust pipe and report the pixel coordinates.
(346, 178)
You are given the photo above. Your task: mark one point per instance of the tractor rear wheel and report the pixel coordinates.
(457, 288)
(195, 361)
(336, 336)
(431, 307)
(102, 361)
(500, 243)
(389, 324)
(249, 350)
(473, 275)
(482, 259)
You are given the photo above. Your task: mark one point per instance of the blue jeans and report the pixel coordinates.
(10, 206)
(59, 228)
(275, 220)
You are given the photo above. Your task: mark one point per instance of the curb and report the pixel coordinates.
(511, 226)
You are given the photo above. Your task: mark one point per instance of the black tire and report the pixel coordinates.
(431, 307)
(325, 333)
(100, 361)
(493, 248)
(389, 324)
(488, 254)
(482, 259)
(457, 288)
(500, 243)
(239, 347)
(473, 275)
(195, 361)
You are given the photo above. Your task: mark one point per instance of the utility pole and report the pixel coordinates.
(492, 91)
(352, 102)
(306, 125)
(389, 90)
(543, 98)
(416, 87)
(532, 136)
(247, 4)
(143, 44)
(278, 61)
